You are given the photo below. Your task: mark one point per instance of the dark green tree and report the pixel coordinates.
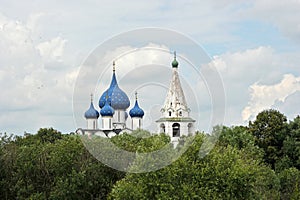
(51, 165)
(270, 129)
(236, 136)
(290, 184)
(7, 160)
(291, 146)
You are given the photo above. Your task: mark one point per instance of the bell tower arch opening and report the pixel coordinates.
(190, 128)
(162, 128)
(176, 130)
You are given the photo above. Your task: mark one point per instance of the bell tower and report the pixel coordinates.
(175, 120)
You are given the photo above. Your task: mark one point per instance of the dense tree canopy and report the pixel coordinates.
(226, 173)
(291, 145)
(50, 165)
(258, 161)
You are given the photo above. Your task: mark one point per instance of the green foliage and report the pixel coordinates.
(270, 129)
(261, 161)
(50, 165)
(5, 139)
(290, 183)
(120, 152)
(7, 160)
(141, 141)
(226, 173)
(238, 137)
(291, 145)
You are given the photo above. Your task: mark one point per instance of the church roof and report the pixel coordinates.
(136, 111)
(91, 113)
(117, 98)
(175, 98)
(107, 110)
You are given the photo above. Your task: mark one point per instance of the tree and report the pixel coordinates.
(270, 129)
(291, 145)
(7, 160)
(236, 136)
(290, 183)
(50, 165)
(226, 173)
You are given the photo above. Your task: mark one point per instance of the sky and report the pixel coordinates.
(254, 45)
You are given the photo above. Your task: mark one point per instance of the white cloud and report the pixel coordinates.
(41, 41)
(249, 61)
(259, 69)
(290, 106)
(53, 49)
(265, 96)
(32, 21)
(27, 83)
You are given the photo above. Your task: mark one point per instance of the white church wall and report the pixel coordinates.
(92, 123)
(136, 123)
(106, 123)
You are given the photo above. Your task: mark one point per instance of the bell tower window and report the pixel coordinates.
(176, 130)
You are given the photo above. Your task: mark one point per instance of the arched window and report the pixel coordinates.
(162, 128)
(170, 113)
(176, 130)
(180, 113)
(190, 128)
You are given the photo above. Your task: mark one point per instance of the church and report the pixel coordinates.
(175, 119)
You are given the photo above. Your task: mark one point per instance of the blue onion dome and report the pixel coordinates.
(136, 111)
(91, 113)
(107, 110)
(174, 63)
(116, 97)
